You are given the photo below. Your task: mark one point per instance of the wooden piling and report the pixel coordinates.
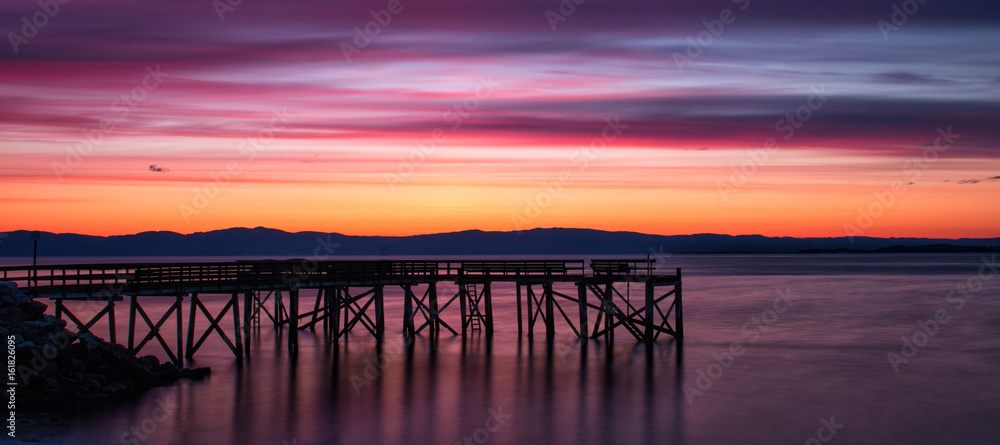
(408, 324)
(581, 295)
(488, 301)
(189, 352)
(550, 325)
(293, 321)
(648, 333)
(379, 314)
(520, 328)
(237, 332)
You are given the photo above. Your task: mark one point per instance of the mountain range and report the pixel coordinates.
(553, 241)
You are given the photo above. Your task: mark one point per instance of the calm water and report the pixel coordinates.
(824, 357)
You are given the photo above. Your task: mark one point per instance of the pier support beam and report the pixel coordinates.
(408, 323)
(379, 313)
(214, 324)
(581, 294)
(154, 328)
(81, 326)
(520, 328)
(648, 333)
(679, 320)
(488, 301)
(293, 322)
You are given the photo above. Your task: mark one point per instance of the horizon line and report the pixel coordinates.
(494, 231)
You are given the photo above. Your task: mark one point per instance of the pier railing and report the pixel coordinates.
(351, 294)
(98, 280)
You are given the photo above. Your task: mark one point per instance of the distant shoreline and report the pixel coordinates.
(264, 242)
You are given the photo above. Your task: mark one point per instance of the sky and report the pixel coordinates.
(376, 117)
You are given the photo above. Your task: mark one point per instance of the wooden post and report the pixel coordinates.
(180, 329)
(650, 289)
(277, 308)
(435, 324)
(112, 332)
(679, 314)
(335, 322)
(520, 328)
(347, 310)
(550, 325)
(316, 306)
(488, 297)
(408, 296)
(237, 332)
(609, 331)
(463, 295)
(326, 312)
(531, 310)
(293, 321)
(249, 307)
(131, 323)
(581, 292)
(379, 313)
(190, 339)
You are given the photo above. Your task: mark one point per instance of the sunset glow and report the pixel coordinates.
(123, 117)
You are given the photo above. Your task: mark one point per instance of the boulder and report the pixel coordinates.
(56, 366)
(10, 295)
(34, 309)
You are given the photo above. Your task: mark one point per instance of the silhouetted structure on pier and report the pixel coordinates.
(352, 293)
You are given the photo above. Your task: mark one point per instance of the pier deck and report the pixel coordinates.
(351, 295)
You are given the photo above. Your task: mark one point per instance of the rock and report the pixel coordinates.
(10, 295)
(11, 315)
(195, 374)
(34, 330)
(34, 309)
(58, 367)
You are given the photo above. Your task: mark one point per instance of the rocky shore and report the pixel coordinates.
(55, 365)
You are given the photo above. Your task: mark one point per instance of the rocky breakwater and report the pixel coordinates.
(54, 365)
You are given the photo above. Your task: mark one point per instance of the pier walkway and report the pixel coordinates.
(349, 295)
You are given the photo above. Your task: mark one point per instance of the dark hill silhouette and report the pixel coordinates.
(555, 241)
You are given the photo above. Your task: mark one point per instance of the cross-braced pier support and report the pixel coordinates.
(107, 311)
(646, 320)
(214, 324)
(135, 308)
(352, 293)
(424, 309)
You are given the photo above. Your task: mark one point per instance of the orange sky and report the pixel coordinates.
(441, 125)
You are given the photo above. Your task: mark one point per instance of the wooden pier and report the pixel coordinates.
(350, 296)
